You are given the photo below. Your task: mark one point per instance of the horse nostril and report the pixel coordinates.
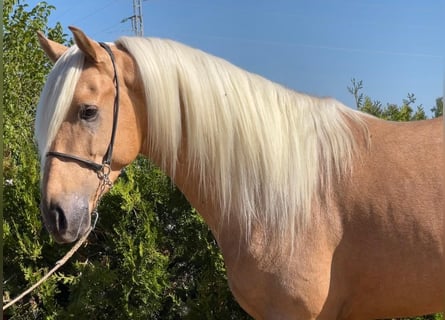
(58, 216)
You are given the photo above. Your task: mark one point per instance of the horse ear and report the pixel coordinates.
(52, 49)
(89, 47)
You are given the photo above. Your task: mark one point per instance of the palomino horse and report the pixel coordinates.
(320, 211)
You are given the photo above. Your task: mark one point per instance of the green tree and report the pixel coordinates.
(392, 112)
(437, 110)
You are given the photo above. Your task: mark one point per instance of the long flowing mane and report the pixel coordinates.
(264, 150)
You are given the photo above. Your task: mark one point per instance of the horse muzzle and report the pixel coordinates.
(67, 218)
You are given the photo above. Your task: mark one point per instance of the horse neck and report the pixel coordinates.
(206, 203)
(194, 174)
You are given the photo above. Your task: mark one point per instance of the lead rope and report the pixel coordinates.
(104, 177)
(58, 264)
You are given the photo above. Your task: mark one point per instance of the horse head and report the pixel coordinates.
(88, 127)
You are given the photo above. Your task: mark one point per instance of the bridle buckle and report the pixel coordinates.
(104, 174)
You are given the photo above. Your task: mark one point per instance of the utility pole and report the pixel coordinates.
(137, 23)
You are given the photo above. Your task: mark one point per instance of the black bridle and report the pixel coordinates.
(102, 169)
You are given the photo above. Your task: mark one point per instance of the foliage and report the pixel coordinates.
(391, 111)
(437, 110)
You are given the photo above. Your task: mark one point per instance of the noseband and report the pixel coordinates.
(102, 169)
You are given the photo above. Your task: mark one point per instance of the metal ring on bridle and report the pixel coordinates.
(104, 172)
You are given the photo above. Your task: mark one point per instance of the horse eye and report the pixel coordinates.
(88, 112)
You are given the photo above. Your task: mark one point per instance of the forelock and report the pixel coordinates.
(56, 98)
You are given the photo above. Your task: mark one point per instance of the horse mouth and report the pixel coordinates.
(63, 238)
(64, 225)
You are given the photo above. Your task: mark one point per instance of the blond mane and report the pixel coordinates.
(264, 150)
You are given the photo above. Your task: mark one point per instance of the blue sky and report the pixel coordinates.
(312, 46)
